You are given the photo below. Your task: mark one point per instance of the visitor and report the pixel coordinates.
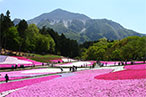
(61, 69)
(70, 68)
(16, 66)
(76, 68)
(73, 68)
(86, 65)
(119, 63)
(6, 78)
(106, 63)
(12, 66)
(114, 63)
(93, 66)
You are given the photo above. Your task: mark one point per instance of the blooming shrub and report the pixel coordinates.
(56, 61)
(13, 78)
(139, 66)
(72, 86)
(19, 84)
(123, 75)
(27, 73)
(83, 84)
(12, 61)
(25, 59)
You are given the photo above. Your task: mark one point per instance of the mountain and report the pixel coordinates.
(81, 27)
(16, 21)
(58, 15)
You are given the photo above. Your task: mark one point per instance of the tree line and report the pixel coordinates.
(29, 38)
(127, 49)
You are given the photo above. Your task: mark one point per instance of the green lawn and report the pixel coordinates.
(43, 58)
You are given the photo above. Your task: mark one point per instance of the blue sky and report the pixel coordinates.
(129, 13)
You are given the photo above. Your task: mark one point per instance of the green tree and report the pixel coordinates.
(5, 23)
(21, 27)
(12, 39)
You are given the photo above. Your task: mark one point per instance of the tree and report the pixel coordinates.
(5, 23)
(12, 38)
(31, 36)
(21, 27)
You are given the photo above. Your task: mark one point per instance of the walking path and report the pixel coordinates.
(115, 68)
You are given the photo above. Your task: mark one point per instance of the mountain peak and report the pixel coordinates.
(58, 10)
(59, 14)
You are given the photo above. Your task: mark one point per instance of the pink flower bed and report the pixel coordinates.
(62, 64)
(25, 59)
(108, 63)
(19, 84)
(83, 84)
(139, 66)
(56, 61)
(139, 62)
(6, 65)
(91, 63)
(12, 78)
(13, 75)
(21, 58)
(123, 75)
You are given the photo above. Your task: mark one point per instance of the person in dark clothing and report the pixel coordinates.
(6, 77)
(73, 68)
(61, 69)
(16, 66)
(70, 68)
(76, 68)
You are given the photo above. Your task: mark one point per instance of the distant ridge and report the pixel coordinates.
(58, 15)
(81, 27)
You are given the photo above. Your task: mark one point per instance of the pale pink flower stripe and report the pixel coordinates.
(25, 59)
(139, 66)
(91, 63)
(19, 84)
(21, 58)
(123, 75)
(62, 64)
(21, 74)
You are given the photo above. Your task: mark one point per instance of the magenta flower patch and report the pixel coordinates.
(139, 66)
(123, 75)
(83, 84)
(19, 84)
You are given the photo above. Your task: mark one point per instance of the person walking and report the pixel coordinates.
(61, 69)
(6, 78)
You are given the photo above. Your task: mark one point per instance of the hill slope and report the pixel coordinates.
(81, 27)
